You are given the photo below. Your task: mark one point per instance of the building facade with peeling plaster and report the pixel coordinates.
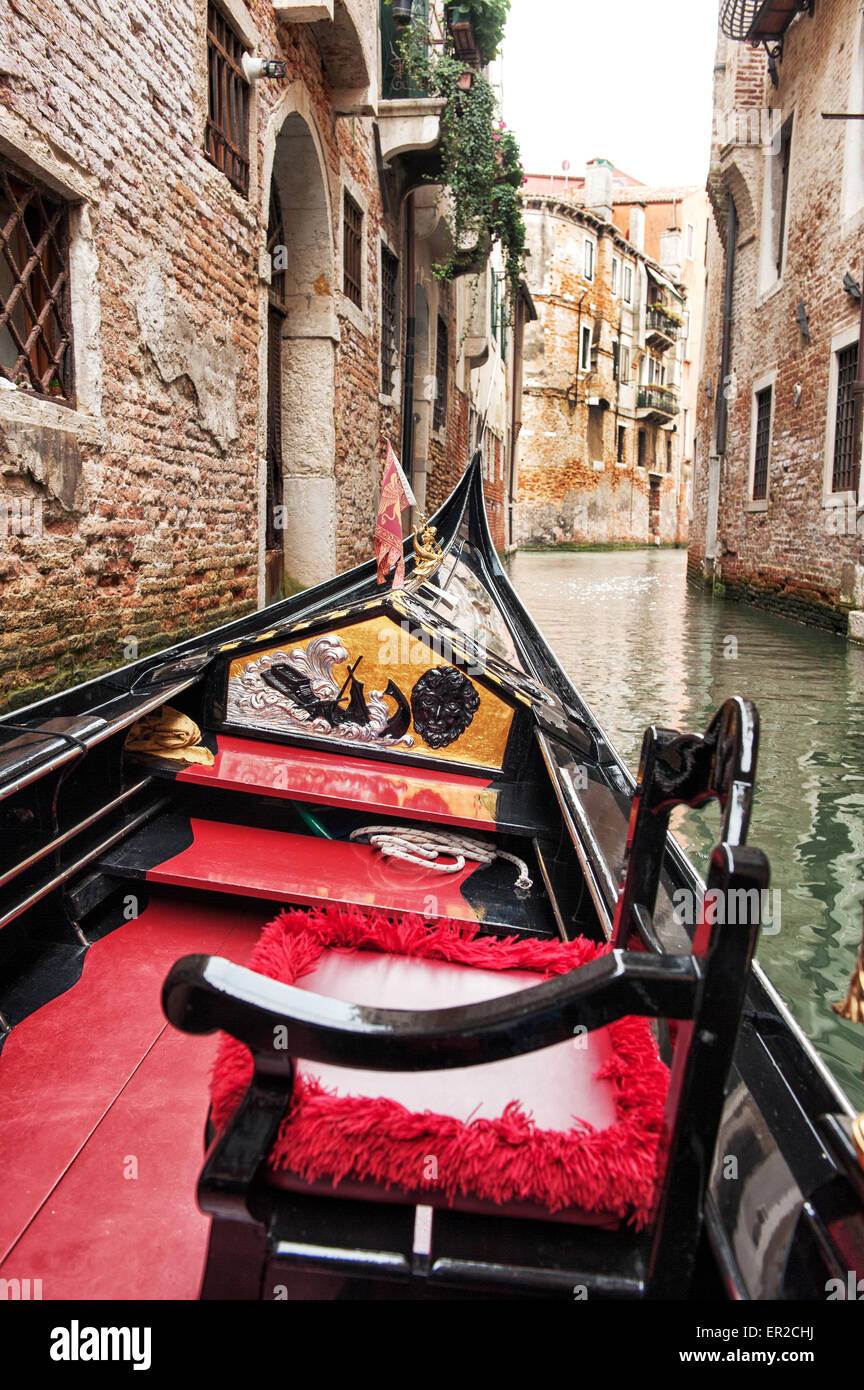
(211, 435)
(616, 270)
(777, 506)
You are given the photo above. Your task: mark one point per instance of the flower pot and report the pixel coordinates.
(462, 29)
(402, 11)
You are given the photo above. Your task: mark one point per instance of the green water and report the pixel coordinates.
(644, 647)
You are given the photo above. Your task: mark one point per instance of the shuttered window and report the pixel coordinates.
(389, 320)
(439, 414)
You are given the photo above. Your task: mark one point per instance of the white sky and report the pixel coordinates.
(627, 80)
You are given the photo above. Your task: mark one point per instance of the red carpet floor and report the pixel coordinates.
(103, 1107)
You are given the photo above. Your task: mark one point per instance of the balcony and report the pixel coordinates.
(751, 21)
(657, 402)
(346, 33)
(661, 328)
(409, 119)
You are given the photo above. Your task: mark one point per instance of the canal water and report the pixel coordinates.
(643, 646)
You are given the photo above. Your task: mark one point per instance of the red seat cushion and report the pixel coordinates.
(571, 1130)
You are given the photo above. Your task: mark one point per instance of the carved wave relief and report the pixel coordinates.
(298, 692)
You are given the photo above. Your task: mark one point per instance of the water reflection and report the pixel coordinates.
(644, 647)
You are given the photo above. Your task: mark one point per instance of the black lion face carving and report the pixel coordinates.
(443, 703)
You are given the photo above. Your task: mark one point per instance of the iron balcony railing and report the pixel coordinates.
(748, 21)
(662, 399)
(659, 321)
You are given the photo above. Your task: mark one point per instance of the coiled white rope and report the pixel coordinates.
(424, 846)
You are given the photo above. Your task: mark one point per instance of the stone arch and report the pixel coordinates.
(736, 181)
(295, 169)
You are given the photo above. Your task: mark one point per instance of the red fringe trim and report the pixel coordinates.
(325, 1135)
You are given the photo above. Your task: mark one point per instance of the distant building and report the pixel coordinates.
(616, 270)
(776, 505)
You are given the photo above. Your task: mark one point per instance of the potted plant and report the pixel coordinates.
(460, 24)
(489, 18)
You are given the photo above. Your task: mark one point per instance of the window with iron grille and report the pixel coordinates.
(439, 413)
(763, 444)
(352, 251)
(389, 320)
(35, 322)
(226, 141)
(844, 477)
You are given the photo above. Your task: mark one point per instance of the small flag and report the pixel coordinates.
(396, 495)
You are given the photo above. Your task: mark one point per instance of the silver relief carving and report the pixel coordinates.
(252, 701)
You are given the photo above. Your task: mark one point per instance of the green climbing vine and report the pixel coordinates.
(480, 163)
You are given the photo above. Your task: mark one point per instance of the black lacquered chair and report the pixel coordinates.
(280, 1233)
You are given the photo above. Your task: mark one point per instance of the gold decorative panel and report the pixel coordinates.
(371, 684)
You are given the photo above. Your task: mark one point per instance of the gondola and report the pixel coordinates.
(342, 957)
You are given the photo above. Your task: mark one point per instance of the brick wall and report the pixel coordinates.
(157, 534)
(796, 553)
(572, 486)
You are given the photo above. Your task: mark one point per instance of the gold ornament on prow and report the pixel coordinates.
(427, 553)
(853, 1009)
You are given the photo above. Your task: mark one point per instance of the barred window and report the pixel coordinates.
(763, 444)
(439, 414)
(845, 473)
(35, 321)
(389, 320)
(352, 251)
(226, 141)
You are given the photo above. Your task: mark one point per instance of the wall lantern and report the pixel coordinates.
(256, 68)
(852, 287)
(801, 316)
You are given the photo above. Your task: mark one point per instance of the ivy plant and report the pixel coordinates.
(480, 163)
(488, 18)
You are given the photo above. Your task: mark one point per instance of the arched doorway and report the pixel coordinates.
(302, 331)
(274, 550)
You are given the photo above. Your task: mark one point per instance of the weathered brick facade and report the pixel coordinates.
(139, 514)
(600, 454)
(770, 522)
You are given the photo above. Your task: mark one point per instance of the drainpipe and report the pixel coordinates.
(410, 335)
(721, 414)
